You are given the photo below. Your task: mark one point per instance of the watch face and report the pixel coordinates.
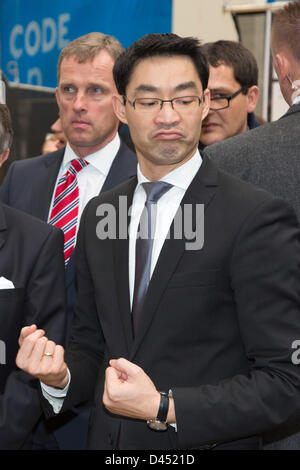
(157, 425)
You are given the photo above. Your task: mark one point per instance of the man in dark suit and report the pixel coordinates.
(269, 156)
(84, 96)
(189, 332)
(31, 292)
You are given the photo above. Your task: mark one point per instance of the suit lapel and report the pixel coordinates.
(121, 269)
(201, 191)
(122, 169)
(43, 186)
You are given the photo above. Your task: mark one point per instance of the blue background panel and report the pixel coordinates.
(33, 32)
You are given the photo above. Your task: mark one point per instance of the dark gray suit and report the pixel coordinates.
(268, 157)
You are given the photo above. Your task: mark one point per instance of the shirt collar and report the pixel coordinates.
(181, 177)
(296, 100)
(101, 160)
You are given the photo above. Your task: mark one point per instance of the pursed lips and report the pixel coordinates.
(167, 135)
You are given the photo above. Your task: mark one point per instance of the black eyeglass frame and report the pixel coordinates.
(132, 103)
(243, 89)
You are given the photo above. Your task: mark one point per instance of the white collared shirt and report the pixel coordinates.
(92, 177)
(296, 100)
(167, 206)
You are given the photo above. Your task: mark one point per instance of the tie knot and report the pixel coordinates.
(155, 190)
(76, 165)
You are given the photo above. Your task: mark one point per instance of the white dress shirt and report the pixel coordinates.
(92, 177)
(167, 206)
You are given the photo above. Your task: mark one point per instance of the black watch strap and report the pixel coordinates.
(163, 407)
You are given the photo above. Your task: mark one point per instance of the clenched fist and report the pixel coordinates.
(42, 358)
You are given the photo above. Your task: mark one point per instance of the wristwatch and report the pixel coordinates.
(160, 422)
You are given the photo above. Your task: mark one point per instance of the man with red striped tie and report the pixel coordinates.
(55, 187)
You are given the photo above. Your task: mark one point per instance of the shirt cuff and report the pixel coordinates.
(55, 396)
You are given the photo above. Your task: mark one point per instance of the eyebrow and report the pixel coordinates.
(153, 89)
(220, 91)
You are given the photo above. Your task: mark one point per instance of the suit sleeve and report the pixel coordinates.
(266, 288)
(20, 406)
(4, 187)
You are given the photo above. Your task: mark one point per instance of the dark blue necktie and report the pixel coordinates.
(144, 244)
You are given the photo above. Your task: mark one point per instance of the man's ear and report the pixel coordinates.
(252, 95)
(281, 67)
(4, 157)
(206, 103)
(57, 96)
(119, 108)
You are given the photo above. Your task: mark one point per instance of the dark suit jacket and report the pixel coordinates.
(269, 158)
(28, 186)
(217, 324)
(31, 256)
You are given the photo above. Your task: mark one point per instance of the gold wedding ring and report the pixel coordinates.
(48, 354)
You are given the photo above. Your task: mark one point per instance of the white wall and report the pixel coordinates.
(204, 19)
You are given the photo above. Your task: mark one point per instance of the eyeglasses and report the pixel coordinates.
(219, 102)
(180, 104)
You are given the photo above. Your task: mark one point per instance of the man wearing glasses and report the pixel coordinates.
(233, 78)
(180, 345)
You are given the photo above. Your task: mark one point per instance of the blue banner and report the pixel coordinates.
(33, 32)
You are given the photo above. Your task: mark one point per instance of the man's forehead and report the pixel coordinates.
(102, 60)
(96, 70)
(156, 73)
(221, 77)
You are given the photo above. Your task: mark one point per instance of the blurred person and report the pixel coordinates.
(188, 347)
(50, 143)
(56, 187)
(31, 291)
(233, 79)
(57, 129)
(269, 156)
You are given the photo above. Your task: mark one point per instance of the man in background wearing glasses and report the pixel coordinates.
(233, 78)
(180, 342)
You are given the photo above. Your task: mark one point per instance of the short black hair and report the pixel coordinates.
(157, 45)
(6, 130)
(286, 28)
(235, 55)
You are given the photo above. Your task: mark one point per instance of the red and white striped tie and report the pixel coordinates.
(64, 212)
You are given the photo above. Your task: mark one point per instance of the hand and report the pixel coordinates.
(42, 358)
(128, 391)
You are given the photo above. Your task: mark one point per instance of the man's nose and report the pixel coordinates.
(80, 102)
(167, 114)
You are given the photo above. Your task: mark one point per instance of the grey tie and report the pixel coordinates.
(144, 244)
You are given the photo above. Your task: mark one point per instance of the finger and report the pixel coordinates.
(29, 343)
(49, 350)
(124, 366)
(36, 357)
(58, 357)
(27, 330)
